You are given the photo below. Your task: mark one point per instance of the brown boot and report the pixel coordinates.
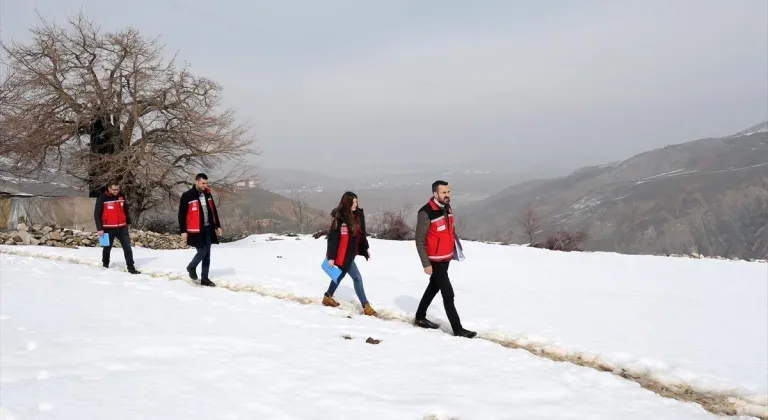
(368, 310)
(329, 301)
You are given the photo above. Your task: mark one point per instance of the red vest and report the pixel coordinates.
(440, 234)
(194, 215)
(113, 212)
(343, 243)
(344, 238)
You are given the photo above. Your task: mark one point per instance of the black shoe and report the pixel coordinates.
(207, 282)
(465, 333)
(133, 270)
(192, 273)
(105, 264)
(425, 323)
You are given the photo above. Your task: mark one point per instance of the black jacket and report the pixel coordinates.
(353, 248)
(196, 239)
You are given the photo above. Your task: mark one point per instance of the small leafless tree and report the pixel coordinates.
(531, 223)
(101, 105)
(303, 214)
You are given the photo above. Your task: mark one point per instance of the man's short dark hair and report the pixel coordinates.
(113, 182)
(437, 184)
(201, 176)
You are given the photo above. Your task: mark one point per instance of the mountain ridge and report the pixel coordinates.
(708, 196)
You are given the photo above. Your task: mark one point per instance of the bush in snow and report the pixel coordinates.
(160, 224)
(391, 225)
(564, 241)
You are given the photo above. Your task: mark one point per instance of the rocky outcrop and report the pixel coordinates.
(56, 236)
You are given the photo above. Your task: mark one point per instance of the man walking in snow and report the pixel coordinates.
(199, 225)
(435, 243)
(112, 219)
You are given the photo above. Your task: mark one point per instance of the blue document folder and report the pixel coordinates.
(104, 239)
(333, 272)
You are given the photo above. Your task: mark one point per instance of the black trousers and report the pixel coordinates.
(439, 282)
(203, 252)
(125, 242)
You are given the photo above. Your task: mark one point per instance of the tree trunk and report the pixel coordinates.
(102, 143)
(136, 196)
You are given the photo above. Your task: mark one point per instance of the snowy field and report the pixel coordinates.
(79, 341)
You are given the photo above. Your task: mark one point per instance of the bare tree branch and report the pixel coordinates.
(103, 105)
(303, 214)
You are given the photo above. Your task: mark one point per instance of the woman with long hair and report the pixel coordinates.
(347, 239)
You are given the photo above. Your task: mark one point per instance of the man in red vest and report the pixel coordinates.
(200, 226)
(112, 219)
(435, 245)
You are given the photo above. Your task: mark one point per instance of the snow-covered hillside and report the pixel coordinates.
(79, 341)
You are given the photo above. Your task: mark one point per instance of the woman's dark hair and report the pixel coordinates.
(343, 212)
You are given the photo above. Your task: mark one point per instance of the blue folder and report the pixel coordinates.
(104, 239)
(333, 272)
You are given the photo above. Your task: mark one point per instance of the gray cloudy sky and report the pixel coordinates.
(555, 84)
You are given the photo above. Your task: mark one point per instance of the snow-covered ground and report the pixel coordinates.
(76, 337)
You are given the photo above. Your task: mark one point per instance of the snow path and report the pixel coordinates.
(717, 402)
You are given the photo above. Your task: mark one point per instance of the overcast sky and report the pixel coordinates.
(552, 84)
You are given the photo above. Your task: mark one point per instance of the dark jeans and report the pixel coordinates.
(203, 253)
(357, 281)
(439, 282)
(125, 242)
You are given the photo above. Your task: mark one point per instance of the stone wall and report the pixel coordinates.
(52, 235)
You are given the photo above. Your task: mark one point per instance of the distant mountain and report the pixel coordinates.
(759, 128)
(382, 189)
(261, 210)
(287, 181)
(708, 196)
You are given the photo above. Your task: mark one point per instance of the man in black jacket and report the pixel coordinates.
(112, 219)
(199, 225)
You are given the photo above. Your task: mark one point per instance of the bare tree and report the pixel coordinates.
(531, 223)
(303, 214)
(101, 105)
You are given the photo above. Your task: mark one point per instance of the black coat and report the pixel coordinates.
(353, 248)
(196, 239)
